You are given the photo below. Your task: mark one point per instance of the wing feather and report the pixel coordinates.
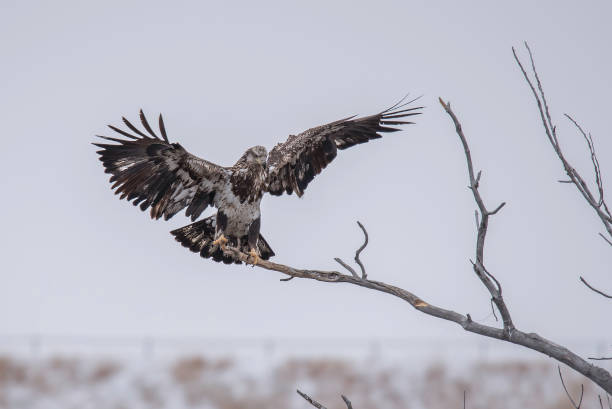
(152, 172)
(292, 165)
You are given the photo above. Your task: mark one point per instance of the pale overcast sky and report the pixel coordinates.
(227, 76)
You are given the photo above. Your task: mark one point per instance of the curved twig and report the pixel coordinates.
(317, 405)
(364, 275)
(485, 276)
(310, 400)
(508, 333)
(348, 403)
(568, 394)
(594, 289)
(529, 340)
(349, 268)
(599, 204)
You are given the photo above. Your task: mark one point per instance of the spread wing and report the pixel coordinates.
(158, 174)
(293, 164)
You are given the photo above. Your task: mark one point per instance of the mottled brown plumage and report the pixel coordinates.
(153, 173)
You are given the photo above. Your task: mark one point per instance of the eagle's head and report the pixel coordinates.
(256, 154)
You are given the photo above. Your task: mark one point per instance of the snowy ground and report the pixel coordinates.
(96, 373)
(196, 381)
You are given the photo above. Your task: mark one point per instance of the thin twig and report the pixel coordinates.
(348, 403)
(493, 310)
(589, 140)
(599, 204)
(310, 400)
(364, 275)
(568, 394)
(529, 340)
(594, 289)
(349, 268)
(497, 209)
(317, 405)
(509, 333)
(485, 277)
(601, 403)
(606, 239)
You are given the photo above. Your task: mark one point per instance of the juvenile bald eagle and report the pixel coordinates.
(152, 172)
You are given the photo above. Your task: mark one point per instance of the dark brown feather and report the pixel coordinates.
(198, 237)
(292, 165)
(145, 123)
(151, 172)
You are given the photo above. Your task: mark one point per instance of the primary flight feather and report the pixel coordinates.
(154, 173)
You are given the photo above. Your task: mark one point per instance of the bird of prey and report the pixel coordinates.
(154, 173)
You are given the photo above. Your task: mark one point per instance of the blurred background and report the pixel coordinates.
(100, 308)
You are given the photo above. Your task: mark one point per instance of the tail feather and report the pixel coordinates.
(198, 237)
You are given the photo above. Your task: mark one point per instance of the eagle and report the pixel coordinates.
(154, 173)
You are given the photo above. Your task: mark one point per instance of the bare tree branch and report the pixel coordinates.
(487, 278)
(364, 275)
(349, 268)
(594, 289)
(509, 332)
(577, 406)
(348, 403)
(311, 400)
(493, 310)
(598, 204)
(529, 340)
(601, 403)
(317, 405)
(606, 239)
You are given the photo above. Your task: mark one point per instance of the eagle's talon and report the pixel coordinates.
(254, 256)
(221, 241)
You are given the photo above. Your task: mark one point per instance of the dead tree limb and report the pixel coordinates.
(508, 333)
(594, 289)
(489, 281)
(597, 202)
(529, 340)
(574, 404)
(351, 270)
(317, 405)
(310, 400)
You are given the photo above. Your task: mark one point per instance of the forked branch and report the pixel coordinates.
(489, 281)
(597, 202)
(317, 405)
(593, 288)
(574, 404)
(338, 260)
(508, 333)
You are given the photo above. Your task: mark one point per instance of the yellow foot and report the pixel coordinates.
(254, 256)
(222, 241)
